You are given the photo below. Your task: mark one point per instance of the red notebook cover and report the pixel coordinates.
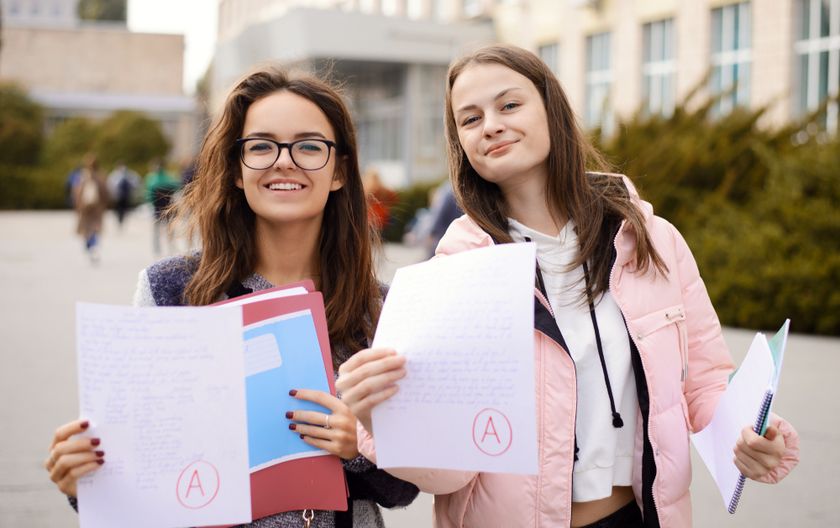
(318, 482)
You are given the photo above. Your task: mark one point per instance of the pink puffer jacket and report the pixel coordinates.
(674, 327)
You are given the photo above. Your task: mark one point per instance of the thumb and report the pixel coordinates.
(771, 433)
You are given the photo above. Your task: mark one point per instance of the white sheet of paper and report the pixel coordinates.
(274, 294)
(164, 390)
(737, 408)
(466, 325)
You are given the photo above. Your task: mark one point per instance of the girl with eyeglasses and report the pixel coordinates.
(277, 198)
(628, 349)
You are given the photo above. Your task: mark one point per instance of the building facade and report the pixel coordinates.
(91, 69)
(614, 58)
(390, 57)
(619, 57)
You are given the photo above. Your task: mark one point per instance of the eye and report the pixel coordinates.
(469, 120)
(259, 147)
(510, 106)
(310, 147)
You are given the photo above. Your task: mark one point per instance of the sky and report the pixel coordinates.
(195, 19)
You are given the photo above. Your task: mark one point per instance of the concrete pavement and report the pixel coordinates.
(43, 272)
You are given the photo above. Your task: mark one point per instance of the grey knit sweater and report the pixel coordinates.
(163, 284)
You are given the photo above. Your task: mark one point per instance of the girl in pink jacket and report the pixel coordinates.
(628, 349)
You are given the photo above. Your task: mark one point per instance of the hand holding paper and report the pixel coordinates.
(747, 400)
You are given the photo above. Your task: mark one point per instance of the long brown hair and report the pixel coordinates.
(216, 209)
(596, 202)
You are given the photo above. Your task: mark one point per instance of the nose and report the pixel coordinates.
(284, 160)
(493, 125)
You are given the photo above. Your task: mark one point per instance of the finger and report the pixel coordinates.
(69, 429)
(376, 398)
(314, 431)
(373, 385)
(74, 445)
(318, 418)
(67, 485)
(364, 356)
(325, 399)
(67, 463)
(320, 443)
(370, 368)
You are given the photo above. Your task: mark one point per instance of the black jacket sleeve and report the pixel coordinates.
(367, 482)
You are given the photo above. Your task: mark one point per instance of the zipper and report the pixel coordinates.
(544, 301)
(653, 448)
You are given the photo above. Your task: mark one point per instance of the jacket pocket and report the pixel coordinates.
(649, 327)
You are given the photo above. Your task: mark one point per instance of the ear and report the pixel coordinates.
(239, 183)
(339, 176)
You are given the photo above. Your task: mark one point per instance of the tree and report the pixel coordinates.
(69, 142)
(132, 138)
(104, 10)
(21, 122)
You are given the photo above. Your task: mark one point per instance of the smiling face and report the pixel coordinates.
(502, 125)
(283, 193)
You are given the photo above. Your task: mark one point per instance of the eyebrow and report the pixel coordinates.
(498, 96)
(299, 135)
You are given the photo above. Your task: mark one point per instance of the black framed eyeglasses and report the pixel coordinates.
(307, 154)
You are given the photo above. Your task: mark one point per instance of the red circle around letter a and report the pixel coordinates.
(492, 433)
(198, 485)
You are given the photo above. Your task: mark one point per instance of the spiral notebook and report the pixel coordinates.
(748, 399)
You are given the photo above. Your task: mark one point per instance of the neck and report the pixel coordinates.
(288, 253)
(527, 204)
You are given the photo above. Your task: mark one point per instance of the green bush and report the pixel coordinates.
(758, 208)
(131, 138)
(21, 120)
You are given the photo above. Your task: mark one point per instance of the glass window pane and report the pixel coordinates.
(668, 39)
(823, 90)
(717, 21)
(804, 11)
(803, 84)
(744, 37)
(825, 19)
(743, 94)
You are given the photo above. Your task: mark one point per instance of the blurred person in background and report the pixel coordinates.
(430, 223)
(90, 198)
(122, 182)
(380, 199)
(160, 188)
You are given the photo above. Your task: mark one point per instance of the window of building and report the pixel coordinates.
(472, 8)
(416, 9)
(598, 82)
(817, 50)
(731, 57)
(550, 54)
(658, 68)
(390, 7)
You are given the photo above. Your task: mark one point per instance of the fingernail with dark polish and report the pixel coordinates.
(84, 425)
(292, 392)
(292, 427)
(95, 441)
(100, 461)
(290, 415)
(301, 437)
(100, 454)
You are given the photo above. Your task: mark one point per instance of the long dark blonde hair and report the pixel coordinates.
(215, 208)
(597, 203)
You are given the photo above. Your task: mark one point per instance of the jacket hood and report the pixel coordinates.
(464, 234)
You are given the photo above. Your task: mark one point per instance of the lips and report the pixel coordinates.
(498, 146)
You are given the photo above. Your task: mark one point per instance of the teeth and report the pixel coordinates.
(285, 186)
